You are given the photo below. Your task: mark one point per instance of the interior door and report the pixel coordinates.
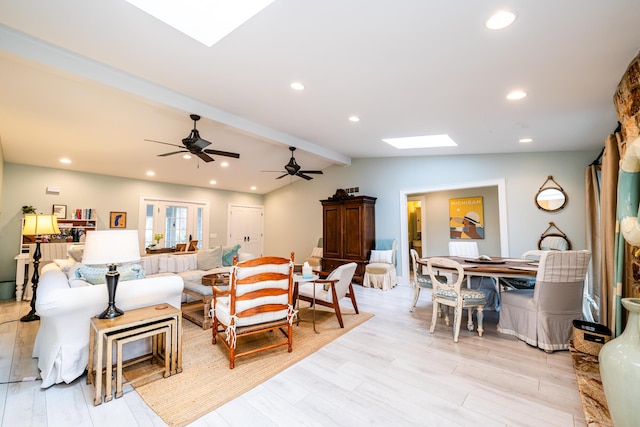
(245, 228)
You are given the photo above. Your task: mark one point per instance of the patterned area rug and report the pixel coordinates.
(206, 382)
(594, 403)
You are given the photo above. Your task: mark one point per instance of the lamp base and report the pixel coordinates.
(30, 317)
(111, 312)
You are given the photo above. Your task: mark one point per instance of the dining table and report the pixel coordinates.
(495, 268)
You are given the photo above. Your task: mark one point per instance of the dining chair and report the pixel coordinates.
(487, 285)
(259, 299)
(329, 291)
(543, 316)
(421, 280)
(511, 283)
(454, 295)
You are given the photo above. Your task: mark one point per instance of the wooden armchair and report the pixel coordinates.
(259, 299)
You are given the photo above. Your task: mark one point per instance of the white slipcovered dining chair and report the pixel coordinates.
(450, 293)
(543, 316)
(380, 272)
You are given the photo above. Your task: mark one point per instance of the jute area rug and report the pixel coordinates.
(594, 403)
(206, 382)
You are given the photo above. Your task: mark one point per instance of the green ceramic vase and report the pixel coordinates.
(620, 370)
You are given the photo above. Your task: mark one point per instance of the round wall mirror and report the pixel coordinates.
(551, 198)
(554, 239)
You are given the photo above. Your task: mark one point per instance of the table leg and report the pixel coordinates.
(92, 339)
(314, 308)
(108, 370)
(179, 343)
(98, 378)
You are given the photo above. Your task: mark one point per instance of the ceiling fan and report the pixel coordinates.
(293, 169)
(195, 145)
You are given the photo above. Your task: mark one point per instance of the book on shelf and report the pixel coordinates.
(85, 214)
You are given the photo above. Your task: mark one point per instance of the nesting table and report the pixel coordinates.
(162, 323)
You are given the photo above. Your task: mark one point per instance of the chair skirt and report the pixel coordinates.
(380, 275)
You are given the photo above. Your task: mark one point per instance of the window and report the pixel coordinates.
(179, 221)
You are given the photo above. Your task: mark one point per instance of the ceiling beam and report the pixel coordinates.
(22, 44)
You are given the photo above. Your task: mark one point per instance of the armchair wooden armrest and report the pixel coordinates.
(332, 281)
(217, 292)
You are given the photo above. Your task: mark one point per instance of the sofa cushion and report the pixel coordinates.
(65, 264)
(96, 275)
(209, 258)
(228, 252)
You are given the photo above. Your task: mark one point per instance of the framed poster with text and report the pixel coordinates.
(466, 218)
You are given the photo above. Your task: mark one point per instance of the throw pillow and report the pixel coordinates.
(381, 256)
(228, 252)
(76, 252)
(209, 258)
(96, 275)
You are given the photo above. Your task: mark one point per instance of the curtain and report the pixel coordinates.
(614, 249)
(601, 202)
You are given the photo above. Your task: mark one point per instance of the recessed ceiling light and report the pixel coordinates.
(206, 21)
(297, 86)
(516, 94)
(65, 161)
(253, 187)
(425, 141)
(500, 20)
(354, 119)
(186, 156)
(525, 140)
(224, 164)
(151, 173)
(213, 182)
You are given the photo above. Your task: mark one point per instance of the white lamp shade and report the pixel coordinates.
(40, 224)
(111, 247)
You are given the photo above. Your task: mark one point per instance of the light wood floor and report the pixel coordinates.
(388, 371)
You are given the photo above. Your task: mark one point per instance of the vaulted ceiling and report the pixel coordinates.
(90, 80)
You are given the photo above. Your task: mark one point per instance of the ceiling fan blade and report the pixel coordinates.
(282, 176)
(171, 153)
(165, 143)
(319, 172)
(205, 157)
(222, 153)
(274, 171)
(301, 175)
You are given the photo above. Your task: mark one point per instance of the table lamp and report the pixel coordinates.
(37, 225)
(111, 247)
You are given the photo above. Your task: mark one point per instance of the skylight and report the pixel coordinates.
(207, 21)
(425, 141)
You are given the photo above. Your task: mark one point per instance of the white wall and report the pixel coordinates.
(293, 219)
(26, 185)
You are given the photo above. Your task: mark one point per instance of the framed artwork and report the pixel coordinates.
(60, 211)
(118, 220)
(466, 218)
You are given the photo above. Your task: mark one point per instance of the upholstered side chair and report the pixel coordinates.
(380, 272)
(420, 280)
(331, 290)
(259, 299)
(450, 293)
(543, 316)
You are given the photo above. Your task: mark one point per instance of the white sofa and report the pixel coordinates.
(62, 342)
(66, 303)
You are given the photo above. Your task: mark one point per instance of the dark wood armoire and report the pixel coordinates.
(348, 231)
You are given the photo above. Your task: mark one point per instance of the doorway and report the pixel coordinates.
(412, 194)
(245, 225)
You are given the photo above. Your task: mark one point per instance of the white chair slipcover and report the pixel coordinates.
(543, 316)
(381, 275)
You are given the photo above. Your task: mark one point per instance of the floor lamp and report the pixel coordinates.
(37, 225)
(111, 247)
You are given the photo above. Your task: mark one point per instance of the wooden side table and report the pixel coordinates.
(133, 322)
